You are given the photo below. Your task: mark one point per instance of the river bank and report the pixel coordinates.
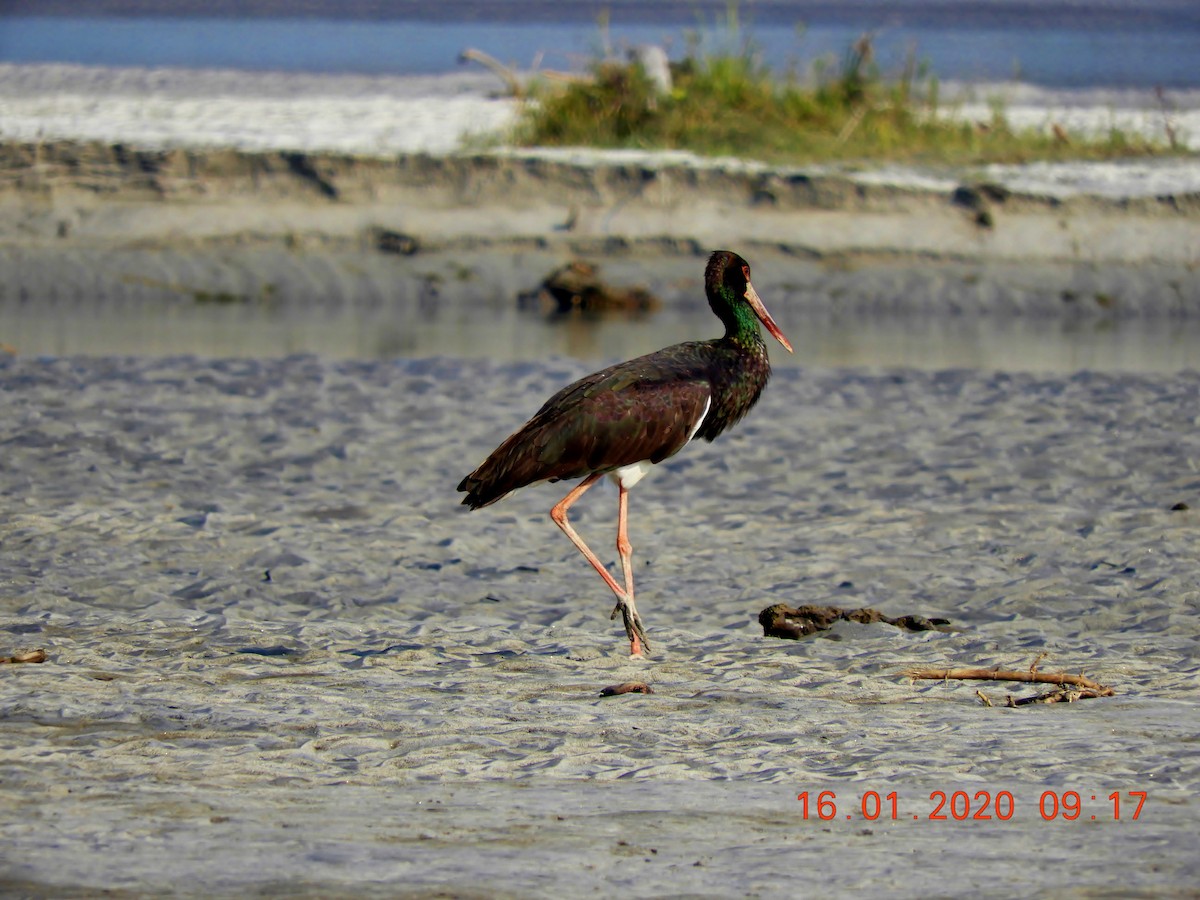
(170, 186)
(99, 222)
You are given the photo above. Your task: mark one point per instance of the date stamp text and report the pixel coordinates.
(960, 806)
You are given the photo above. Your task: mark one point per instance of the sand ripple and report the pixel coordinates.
(273, 634)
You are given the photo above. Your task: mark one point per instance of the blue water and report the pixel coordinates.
(1052, 56)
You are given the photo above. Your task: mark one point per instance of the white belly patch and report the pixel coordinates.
(628, 476)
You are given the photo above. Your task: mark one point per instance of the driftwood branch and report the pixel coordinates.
(1059, 678)
(1070, 687)
(1062, 695)
(511, 77)
(503, 72)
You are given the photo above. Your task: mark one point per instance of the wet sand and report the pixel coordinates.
(282, 658)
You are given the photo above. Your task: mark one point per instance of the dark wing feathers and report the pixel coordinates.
(644, 409)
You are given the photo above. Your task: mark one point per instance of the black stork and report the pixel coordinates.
(622, 420)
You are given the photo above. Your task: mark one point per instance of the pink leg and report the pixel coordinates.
(633, 624)
(559, 515)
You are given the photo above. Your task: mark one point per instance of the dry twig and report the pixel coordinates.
(1059, 678)
(501, 71)
(1070, 687)
(1062, 695)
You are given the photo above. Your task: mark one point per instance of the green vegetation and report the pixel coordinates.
(731, 104)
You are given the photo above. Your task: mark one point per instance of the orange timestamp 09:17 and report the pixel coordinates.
(960, 806)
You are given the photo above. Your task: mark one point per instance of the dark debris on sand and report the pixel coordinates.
(783, 621)
(578, 288)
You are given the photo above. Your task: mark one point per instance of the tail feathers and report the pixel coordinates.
(498, 477)
(479, 493)
(531, 455)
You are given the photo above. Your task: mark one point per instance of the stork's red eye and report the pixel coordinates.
(746, 272)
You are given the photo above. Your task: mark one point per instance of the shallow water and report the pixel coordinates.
(265, 302)
(275, 640)
(1023, 344)
(1070, 51)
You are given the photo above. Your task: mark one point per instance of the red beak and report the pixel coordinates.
(756, 304)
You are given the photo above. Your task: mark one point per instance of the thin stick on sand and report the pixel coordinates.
(1084, 687)
(1058, 678)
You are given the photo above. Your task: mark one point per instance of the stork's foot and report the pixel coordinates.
(638, 643)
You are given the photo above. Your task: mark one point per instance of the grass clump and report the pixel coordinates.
(730, 103)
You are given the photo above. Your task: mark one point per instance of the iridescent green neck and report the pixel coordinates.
(741, 325)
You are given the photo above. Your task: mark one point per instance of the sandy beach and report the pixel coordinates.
(272, 633)
(281, 659)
